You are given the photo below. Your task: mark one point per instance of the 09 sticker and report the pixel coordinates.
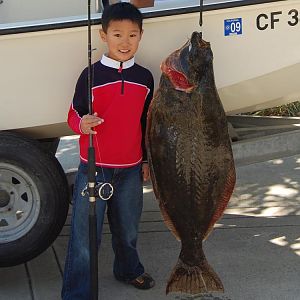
(233, 26)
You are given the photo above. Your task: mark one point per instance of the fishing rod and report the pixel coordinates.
(104, 190)
(93, 247)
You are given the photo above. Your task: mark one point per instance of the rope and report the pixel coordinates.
(201, 17)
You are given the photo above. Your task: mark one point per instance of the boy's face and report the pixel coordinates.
(122, 38)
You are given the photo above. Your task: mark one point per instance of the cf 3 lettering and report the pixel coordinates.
(267, 21)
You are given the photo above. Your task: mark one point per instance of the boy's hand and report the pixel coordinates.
(145, 171)
(88, 122)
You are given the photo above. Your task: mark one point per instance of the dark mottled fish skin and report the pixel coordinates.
(191, 162)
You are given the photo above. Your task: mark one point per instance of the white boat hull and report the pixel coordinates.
(254, 70)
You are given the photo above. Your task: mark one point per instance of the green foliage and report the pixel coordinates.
(288, 110)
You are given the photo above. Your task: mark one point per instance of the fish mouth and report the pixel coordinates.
(197, 40)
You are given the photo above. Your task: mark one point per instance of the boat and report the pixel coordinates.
(43, 49)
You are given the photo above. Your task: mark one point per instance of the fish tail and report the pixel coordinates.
(194, 279)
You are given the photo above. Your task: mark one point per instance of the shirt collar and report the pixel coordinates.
(109, 62)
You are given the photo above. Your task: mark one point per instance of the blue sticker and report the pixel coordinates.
(233, 26)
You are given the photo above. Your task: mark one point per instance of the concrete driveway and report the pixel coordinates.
(255, 247)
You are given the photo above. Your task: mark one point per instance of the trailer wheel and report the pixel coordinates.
(33, 199)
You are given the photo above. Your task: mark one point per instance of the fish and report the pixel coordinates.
(190, 158)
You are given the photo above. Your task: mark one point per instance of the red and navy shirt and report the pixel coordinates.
(121, 95)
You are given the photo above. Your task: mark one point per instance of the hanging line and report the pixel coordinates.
(201, 17)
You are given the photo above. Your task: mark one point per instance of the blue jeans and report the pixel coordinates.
(123, 211)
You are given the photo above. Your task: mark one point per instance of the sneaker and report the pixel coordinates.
(143, 282)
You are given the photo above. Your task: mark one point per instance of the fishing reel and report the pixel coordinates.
(104, 190)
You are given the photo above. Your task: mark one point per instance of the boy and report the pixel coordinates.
(122, 91)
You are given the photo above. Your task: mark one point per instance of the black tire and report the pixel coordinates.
(49, 145)
(33, 199)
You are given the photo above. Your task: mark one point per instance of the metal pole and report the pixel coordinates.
(92, 181)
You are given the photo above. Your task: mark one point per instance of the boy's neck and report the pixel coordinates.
(110, 62)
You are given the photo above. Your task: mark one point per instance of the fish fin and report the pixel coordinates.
(194, 279)
(163, 211)
(168, 221)
(229, 187)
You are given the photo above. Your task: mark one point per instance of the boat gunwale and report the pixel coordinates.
(39, 26)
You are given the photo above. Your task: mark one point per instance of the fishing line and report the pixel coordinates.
(105, 189)
(201, 17)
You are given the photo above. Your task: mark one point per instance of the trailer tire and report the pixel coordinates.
(33, 199)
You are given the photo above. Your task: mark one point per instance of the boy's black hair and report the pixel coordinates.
(121, 11)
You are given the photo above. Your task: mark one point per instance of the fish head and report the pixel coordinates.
(186, 66)
(199, 58)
